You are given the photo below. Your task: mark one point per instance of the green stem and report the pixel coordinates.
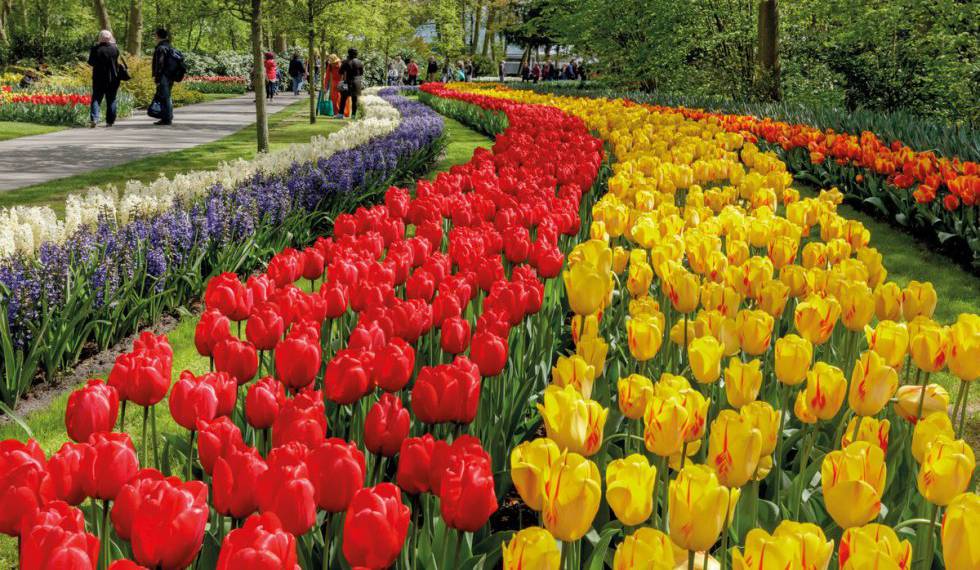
(782, 391)
(144, 450)
(690, 560)
(857, 428)
(565, 547)
(107, 556)
(153, 426)
(965, 395)
(122, 417)
(190, 458)
(922, 396)
(326, 542)
(928, 553)
(460, 535)
(801, 477)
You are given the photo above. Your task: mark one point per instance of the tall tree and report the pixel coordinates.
(767, 79)
(134, 35)
(314, 8)
(251, 11)
(102, 15)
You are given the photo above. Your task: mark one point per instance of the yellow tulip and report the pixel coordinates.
(816, 317)
(890, 340)
(814, 255)
(757, 273)
(793, 357)
(683, 288)
(908, 398)
(644, 335)
(872, 260)
(664, 422)
(586, 287)
(620, 258)
(743, 380)
(946, 470)
(737, 251)
(705, 357)
(782, 251)
(572, 493)
(678, 335)
(723, 328)
(697, 414)
(811, 545)
(961, 532)
(765, 552)
(773, 297)
(734, 447)
(857, 305)
(964, 348)
(692, 449)
(754, 331)
(584, 327)
(670, 384)
(644, 306)
(873, 383)
(530, 463)
(794, 277)
(765, 419)
(699, 508)
(639, 279)
(532, 547)
(801, 411)
(837, 251)
(573, 421)
(871, 430)
(826, 389)
(634, 391)
(645, 549)
(853, 480)
(874, 546)
(574, 371)
(719, 297)
(928, 430)
(629, 488)
(929, 348)
(918, 299)
(594, 351)
(888, 302)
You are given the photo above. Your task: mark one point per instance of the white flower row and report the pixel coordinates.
(24, 228)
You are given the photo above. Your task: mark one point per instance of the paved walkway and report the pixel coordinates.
(32, 160)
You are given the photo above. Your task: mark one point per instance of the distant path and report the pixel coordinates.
(26, 161)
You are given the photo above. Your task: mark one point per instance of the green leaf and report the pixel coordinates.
(598, 559)
(16, 419)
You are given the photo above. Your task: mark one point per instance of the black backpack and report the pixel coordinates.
(176, 67)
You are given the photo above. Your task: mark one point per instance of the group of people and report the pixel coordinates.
(403, 72)
(342, 82)
(548, 71)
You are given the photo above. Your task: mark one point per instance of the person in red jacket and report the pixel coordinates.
(271, 75)
(413, 72)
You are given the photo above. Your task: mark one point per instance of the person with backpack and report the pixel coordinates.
(104, 59)
(168, 68)
(351, 83)
(297, 71)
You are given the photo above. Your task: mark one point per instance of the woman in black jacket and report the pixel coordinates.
(351, 71)
(104, 59)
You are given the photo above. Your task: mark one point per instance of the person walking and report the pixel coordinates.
(351, 71)
(331, 83)
(432, 69)
(392, 75)
(413, 72)
(502, 70)
(162, 66)
(271, 75)
(297, 71)
(104, 59)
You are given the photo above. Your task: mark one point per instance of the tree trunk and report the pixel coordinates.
(282, 43)
(475, 38)
(102, 15)
(767, 80)
(489, 33)
(134, 36)
(4, 16)
(258, 79)
(311, 22)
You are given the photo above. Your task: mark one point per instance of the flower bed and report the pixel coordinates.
(50, 108)
(118, 267)
(216, 84)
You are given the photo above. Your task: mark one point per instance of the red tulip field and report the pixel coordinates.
(620, 336)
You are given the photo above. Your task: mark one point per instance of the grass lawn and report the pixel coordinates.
(13, 129)
(48, 425)
(291, 125)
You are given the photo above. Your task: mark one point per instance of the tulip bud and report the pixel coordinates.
(964, 348)
(573, 371)
(811, 545)
(634, 391)
(466, 492)
(816, 317)
(929, 347)
(261, 542)
(909, 401)
(918, 299)
(743, 380)
(571, 495)
(375, 527)
(699, 507)
(22, 469)
(826, 389)
(92, 408)
(393, 365)
(573, 421)
(646, 548)
(871, 430)
(928, 430)
(705, 356)
(532, 547)
(754, 331)
(455, 335)
(192, 399)
(873, 546)
(530, 465)
(263, 401)
(629, 488)
(961, 532)
(414, 464)
(234, 480)
(664, 422)
(734, 448)
(586, 287)
(946, 470)
(888, 302)
(873, 383)
(853, 480)
(890, 340)
(55, 537)
(594, 351)
(387, 424)
(644, 335)
(763, 551)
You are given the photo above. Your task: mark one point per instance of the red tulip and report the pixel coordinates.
(375, 526)
(393, 365)
(263, 402)
(444, 307)
(226, 388)
(213, 328)
(517, 246)
(22, 468)
(265, 326)
(387, 424)
(157, 345)
(238, 358)
(414, 464)
(144, 377)
(215, 439)
(367, 336)
(262, 544)
(55, 537)
(261, 286)
(420, 285)
(131, 495)
(192, 399)
(443, 455)
(489, 352)
(547, 259)
(298, 360)
(285, 489)
(447, 393)
(337, 472)
(63, 481)
(126, 565)
(466, 493)
(92, 408)
(109, 462)
(301, 419)
(234, 482)
(168, 527)
(454, 337)
(335, 296)
(348, 377)
(312, 264)
(227, 294)
(284, 267)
